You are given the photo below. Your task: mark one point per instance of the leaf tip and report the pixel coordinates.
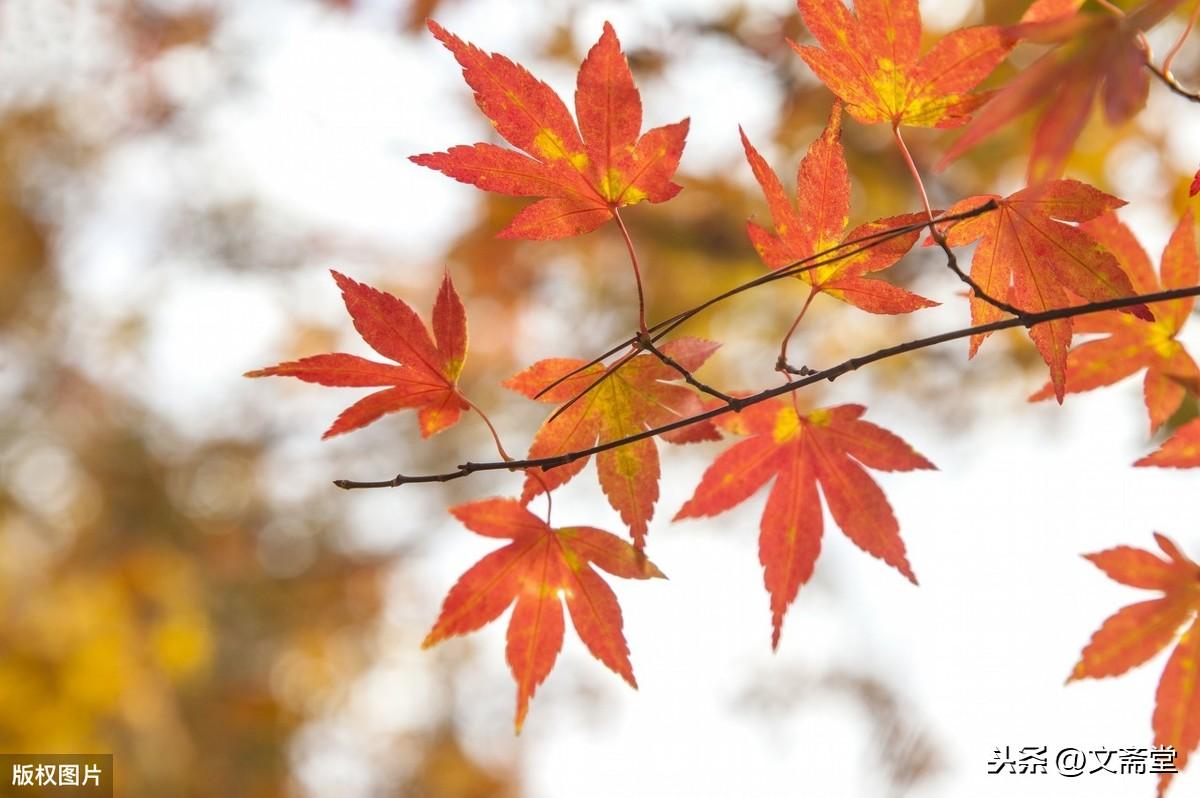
(437, 30)
(1077, 673)
(343, 282)
(522, 711)
(1060, 388)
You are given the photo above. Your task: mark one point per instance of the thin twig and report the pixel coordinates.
(976, 289)
(828, 374)
(1173, 84)
(940, 239)
(816, 261)
(637, 272)
(579, 369)
(644, 342)
(781, 363)
(491, 428)
(662, 328)
(611, 371)
(1169, 58)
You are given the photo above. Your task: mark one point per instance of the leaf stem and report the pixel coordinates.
(1169, 58)
(534, 472)
(782, 363)
(637, 272)
(507, 458)
(1120, 14)
(912, 170)
(940, 239)
(491, 428)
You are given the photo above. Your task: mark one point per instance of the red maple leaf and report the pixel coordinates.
(828, 446)
(872, 60)
(1181, 450)
(1094, 54)
(583, 178)
(817, 222)
(539, 569)
(1133, 343)
(1030, 258)
(1137, 632)
(425, 376)
(640, 394)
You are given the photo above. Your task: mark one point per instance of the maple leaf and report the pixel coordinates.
(828, 446)
(871, 60)
(583, 178)
(818, 222)
(538, 569)
(640, 394)
(427, 370)
(1028, 257)
(1137, 632)
(1133, 343)
(1181, 450)
(1095, 54)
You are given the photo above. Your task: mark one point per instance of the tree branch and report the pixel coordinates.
(828, 374)
(1174, 85)
(952, 264)
(644, 342)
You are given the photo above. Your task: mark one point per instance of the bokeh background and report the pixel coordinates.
(182, 586)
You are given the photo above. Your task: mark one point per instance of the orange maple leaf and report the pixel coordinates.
(1133, 343)
(538, 569)
(1137, 632)
(639, 394)
(427, 370)
(1028, 257)
(1181, 450)
(817, 222)
(1094, 54)
(829, 446)
(583, 178)
(872, 60)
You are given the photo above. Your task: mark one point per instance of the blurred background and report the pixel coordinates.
(183, 586)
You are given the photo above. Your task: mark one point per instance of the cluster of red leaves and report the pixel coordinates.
(1047, 246)
(1137, 632)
